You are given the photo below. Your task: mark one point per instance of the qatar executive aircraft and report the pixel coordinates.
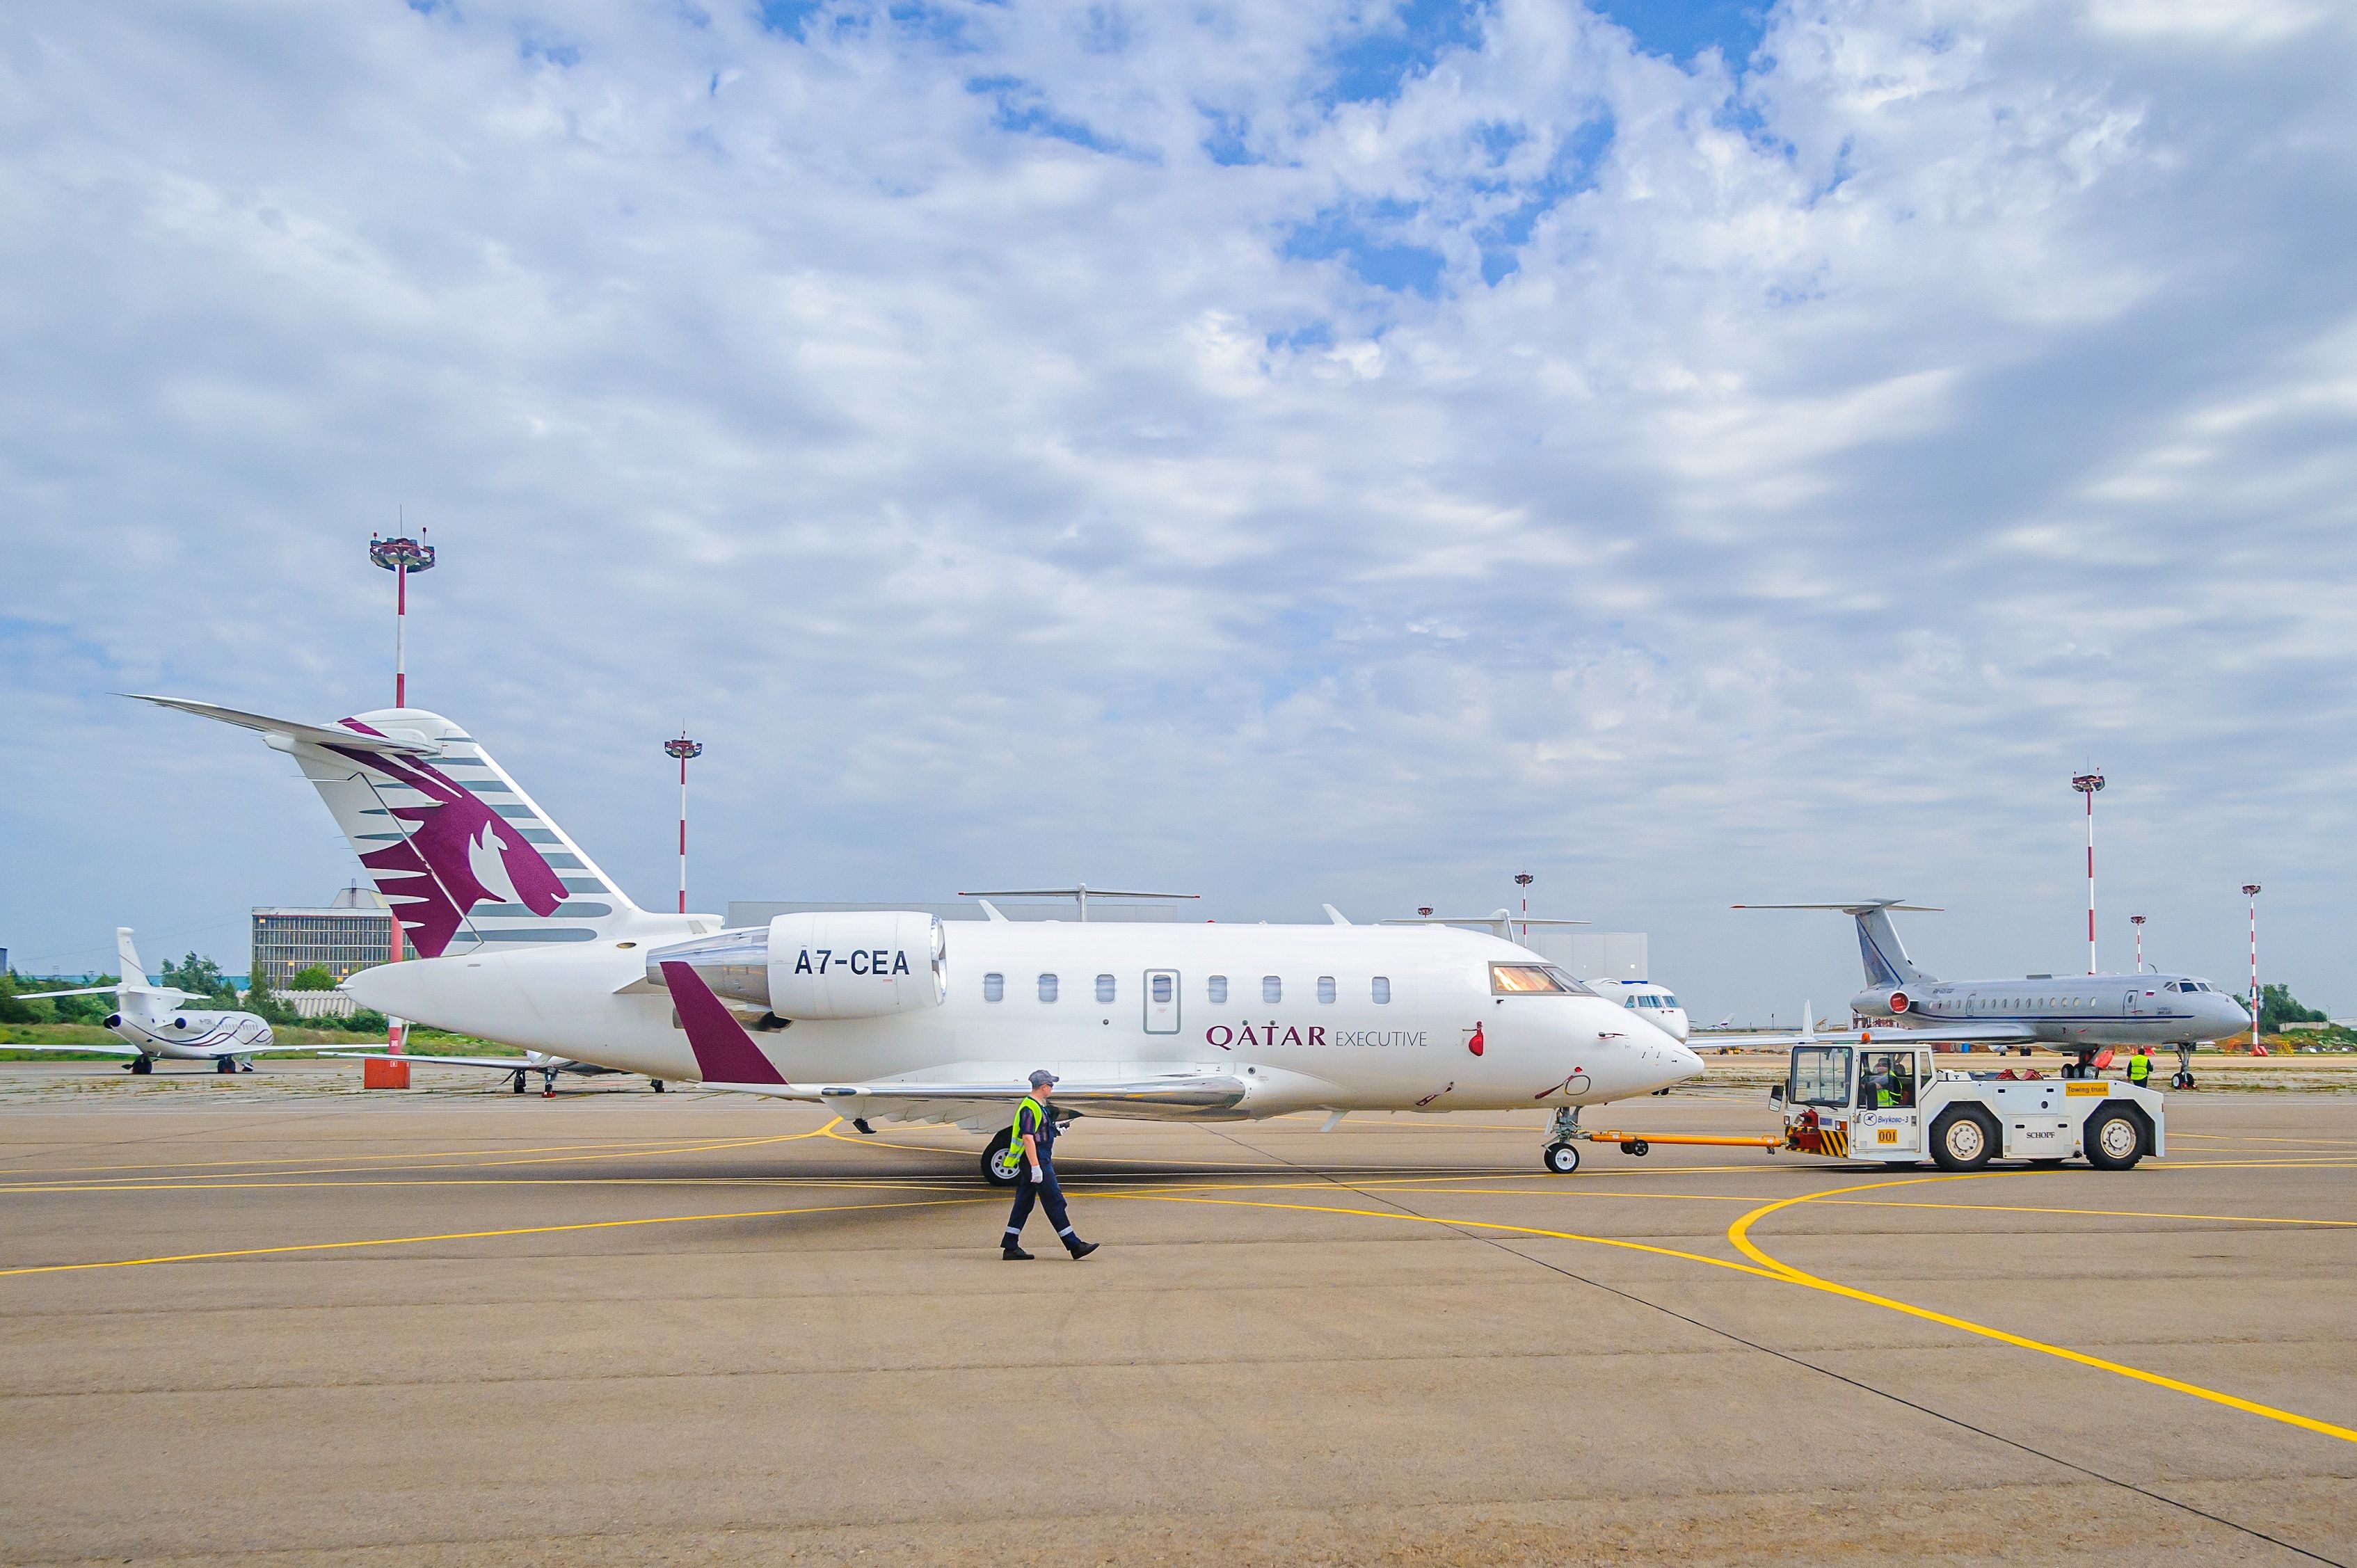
(883, 1015)
(2067, 1012)
(151, 1021)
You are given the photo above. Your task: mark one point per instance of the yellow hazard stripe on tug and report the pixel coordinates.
(1836, 1138)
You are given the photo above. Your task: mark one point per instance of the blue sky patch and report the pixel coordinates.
(1684, 28)
(787, 16)
(1334, 234)
(1374, 67)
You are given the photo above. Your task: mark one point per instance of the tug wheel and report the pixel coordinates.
(1963, 1141)
(2115, 1141)
(1563, 1159)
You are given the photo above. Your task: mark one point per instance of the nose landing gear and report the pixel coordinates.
(1561, 1154)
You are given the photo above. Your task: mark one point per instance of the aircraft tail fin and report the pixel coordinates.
(467, 860)
(1879, 946)
(133, 973)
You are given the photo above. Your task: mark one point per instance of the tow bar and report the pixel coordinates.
(1632, 1143)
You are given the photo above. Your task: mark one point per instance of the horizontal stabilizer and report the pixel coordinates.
(293, 729)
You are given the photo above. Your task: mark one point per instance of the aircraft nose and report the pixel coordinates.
(2228, 1013)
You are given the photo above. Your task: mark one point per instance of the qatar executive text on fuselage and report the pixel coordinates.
(887, 1014)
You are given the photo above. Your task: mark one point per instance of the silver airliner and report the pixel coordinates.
(2064, 1011)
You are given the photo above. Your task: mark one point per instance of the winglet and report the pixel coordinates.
(990, 912)
(1337, 915)
(724, 1053)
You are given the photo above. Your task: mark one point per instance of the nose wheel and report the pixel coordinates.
(1561, 1154)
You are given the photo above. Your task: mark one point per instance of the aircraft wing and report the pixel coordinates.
(916, 1097)
(1889, 1035)
(94, 1047)
(497, 1064)
(82, 990)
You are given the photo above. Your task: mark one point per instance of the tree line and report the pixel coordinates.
(198, 976)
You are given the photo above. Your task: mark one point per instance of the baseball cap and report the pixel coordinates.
(1042, 1076)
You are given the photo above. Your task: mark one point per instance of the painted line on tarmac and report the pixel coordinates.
(195, 1181)
(1739, 1234)
(197, 1167)
(2098, 1213)
(473, 1236)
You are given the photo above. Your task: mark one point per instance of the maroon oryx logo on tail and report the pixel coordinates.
(458, 853)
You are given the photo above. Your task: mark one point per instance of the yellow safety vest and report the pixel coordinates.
(2139, 1067)
(1010, 1159)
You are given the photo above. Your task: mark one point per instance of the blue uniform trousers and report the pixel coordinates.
(1049, 1196)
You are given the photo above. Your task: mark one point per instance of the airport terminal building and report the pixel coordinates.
(352, 933)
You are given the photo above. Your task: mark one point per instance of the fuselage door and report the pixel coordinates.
(1161, 1001)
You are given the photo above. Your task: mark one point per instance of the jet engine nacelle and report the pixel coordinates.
(821, 965)
(1883, 1001)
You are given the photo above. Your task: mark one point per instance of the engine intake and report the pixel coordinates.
(823, 964)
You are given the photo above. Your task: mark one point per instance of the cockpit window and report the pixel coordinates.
(1532, 980)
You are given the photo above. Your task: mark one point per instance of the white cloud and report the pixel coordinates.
(1007, 486)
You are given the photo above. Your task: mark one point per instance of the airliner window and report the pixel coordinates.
(994, 987)
(1217, 987)
(1104, 989)
(1046, 988)
(1820, 1076)
(1272, 989)
(1383, 990)
(1162, 991)
(1325, 988)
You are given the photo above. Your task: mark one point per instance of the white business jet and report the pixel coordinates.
(151, 1021)
(518, 1069)
(879, 1015)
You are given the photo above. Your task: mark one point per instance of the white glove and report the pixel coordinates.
(1038, 1175)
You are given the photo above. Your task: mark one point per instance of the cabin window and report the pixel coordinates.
(1272, 989)
(1163, 990)
(1046, 988)
(1104, 989)
(1326, 988)
(994, 987)
(1216, 988)
(1383, 990)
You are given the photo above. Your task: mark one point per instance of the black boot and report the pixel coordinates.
(1080, 1249)
(1014, 1254)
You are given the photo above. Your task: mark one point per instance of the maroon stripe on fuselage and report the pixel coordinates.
(724, 1053)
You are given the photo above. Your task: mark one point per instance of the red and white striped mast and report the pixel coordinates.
(2087, 784)
(400, 556)
(683, 748)
(2251, 892)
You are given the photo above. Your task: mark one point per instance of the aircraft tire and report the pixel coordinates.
(142, 1066)
(1563, 1159)
(1963, 1140)
(2115, 1141)
(519, 1083)
(225, 1064)
(998, 1140)
(658, 1084)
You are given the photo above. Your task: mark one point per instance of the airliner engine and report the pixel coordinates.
(1881, 1003)
(827, 964)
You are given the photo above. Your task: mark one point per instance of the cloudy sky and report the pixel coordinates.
(1343, 450)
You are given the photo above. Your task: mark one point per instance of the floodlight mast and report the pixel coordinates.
(685, 749)
(400, 556)
(1523, 880)
(2251, 891)
(2087, 784)
(2137, 921)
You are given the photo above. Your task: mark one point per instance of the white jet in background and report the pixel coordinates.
(152, 1021)
(877, 1014)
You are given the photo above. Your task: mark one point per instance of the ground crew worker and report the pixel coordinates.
(2140, 1069)
(1035, 1135)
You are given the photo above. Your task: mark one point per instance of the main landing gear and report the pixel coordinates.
(1561, 1154)
(519, 1080)
(224, 1064)
(998, 1140)
(658, 1084)
(142, 1066)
